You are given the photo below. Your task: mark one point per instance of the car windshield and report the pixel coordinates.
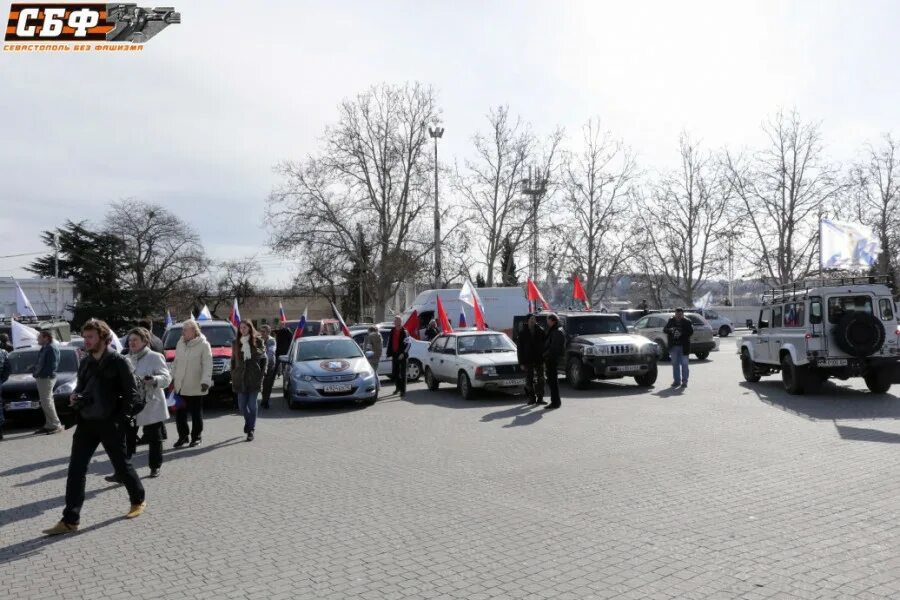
(23, 361)
(216, 335)
(327, 350)
(594, 325)
(480, 344)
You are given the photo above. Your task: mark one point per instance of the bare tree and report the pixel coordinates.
(374, 169)
(783, 189)
(682, 222)
(597, 202)
(876, 182)
(490, 185)
(162, 252)
(238, 278)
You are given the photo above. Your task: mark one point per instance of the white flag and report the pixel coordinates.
(468, 294)
(847, 245)
(23, 306)
(23, 336)
(704, 301)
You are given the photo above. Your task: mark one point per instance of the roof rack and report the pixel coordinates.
(802, 288)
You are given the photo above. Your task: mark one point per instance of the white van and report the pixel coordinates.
(501, 304)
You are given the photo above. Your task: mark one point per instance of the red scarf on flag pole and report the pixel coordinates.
(578, 292)
(443, 321)
(534, 296)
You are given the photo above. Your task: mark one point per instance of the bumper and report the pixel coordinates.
(500, 382)
(362, 389)
(33, 405)
(858, 366)
(606, 367)
(221, 382)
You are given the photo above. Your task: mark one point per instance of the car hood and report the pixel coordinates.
(612, 339)
(24, 381)
(492, 358)
(322, 368)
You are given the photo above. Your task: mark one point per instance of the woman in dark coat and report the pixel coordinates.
(248, 364)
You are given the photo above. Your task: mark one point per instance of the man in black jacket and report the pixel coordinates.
(105, 399)
(679, 331)
(554, 352)
(530, 350)
(398, 342)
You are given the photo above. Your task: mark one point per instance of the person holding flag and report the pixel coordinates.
(398, 341)
(248, 364)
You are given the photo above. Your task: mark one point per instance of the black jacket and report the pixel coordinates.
(555, 345)
(530, 345)
(156, 344)
(404, 335)
(679, 333)
(108, 387)
(432, 332)
(283, 339)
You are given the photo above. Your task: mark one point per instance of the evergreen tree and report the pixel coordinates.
(479, 281)
(355, 276)
(508, 264)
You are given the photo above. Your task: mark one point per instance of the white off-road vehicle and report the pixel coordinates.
(812, 330)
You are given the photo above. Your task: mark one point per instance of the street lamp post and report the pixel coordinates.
(534, 186)
(436, 133)
(361, 267)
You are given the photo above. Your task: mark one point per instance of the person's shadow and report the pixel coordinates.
(503, 414)
(29, 548)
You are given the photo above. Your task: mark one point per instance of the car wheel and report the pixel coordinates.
(649, 378)
(724, 331)
(431, 381)
(793, 376)
(663, 351)
(575, 373)
(877, 382)
(703, 355)
(465, 386)
(748, 367)
(413, 370)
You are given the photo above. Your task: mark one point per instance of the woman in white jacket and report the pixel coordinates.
(193, 377)
(153, 378)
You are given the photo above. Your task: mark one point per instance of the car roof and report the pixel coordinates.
(204, 323)
(311, 338)
(471, 332)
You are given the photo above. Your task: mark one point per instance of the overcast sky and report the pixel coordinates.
(197, 120)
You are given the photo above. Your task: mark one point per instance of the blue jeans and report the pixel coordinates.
(248, 407)
(680, 369)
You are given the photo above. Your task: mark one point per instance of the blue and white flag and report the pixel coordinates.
(23, 306)
(847, 245)
(169, 320)
(204, 314)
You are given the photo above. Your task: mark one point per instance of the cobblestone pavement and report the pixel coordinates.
(724, 490)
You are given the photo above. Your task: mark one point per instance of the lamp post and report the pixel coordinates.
(534, 186)
(436, 133)
(361, 267)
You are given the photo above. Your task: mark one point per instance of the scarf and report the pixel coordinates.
(134, 357)
(245, 347)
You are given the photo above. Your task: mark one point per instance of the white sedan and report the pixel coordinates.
(474, 360)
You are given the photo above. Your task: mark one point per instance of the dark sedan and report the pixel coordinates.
(19, 393)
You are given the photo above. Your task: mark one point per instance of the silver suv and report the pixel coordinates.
(813, 330)
(702, 342)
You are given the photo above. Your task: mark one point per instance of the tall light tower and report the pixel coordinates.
(534, 186)
(436, 133)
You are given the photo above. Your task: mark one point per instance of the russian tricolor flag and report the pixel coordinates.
(281, 316)
(235, 316)
(169, 320)
(301, 325)
(344, 329)
(462, 317)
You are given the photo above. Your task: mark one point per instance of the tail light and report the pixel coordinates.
(808, 336)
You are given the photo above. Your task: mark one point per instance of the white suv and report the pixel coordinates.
(810, 331)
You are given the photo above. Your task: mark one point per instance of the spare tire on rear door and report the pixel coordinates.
(859, 334)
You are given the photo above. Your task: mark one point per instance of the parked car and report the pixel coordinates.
(328, 368)
(418, 352)
(630, 316)
(722, 325)
(19, 392)
(813, 330)
(598, 346)
(474, 360)
(702, 342)
(220, 335)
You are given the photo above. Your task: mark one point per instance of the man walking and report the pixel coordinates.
(269, 344)
(679, 331)
(105, 398)
(45, 376)
(554, 352)
(530, 350)
(396, 351)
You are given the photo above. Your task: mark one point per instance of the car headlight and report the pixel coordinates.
(649, 349)
(66, 388)
(590, 350)
(307, 378)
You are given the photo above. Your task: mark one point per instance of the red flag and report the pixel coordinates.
(534, 295)
(578, 292)
(412, 325)
(344, 329)
(480, 325)
(443, 321)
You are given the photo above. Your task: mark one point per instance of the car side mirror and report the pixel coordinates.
(763, 324)
(283, 359)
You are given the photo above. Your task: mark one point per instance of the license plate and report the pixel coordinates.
(629, 368)
(513, 382)
(22, 405)
(833, 362)
(338, 387)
